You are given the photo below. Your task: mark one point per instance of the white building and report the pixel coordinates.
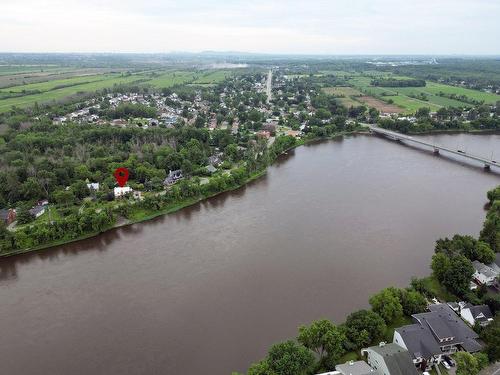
(484, 274)
(93, 186)
(477, 314)
(121, 191)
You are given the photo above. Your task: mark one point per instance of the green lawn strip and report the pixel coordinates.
(440, 291)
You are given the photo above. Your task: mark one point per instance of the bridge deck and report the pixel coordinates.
(398, 136)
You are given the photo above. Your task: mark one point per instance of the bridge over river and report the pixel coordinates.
(488, 163)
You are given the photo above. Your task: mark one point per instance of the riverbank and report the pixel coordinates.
(285, 246)
(147, 215)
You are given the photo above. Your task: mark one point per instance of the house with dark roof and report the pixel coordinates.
(390, 359)
(434, 334)
(173, 177)
(480, 314)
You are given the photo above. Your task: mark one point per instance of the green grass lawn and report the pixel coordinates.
(442, 294)
(349, 356)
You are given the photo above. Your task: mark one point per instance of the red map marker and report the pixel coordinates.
(121, 175)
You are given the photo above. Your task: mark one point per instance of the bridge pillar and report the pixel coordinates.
(436, 151)
(487, 167)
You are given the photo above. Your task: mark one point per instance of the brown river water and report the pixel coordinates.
(207, 290)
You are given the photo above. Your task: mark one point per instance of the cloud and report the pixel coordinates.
(293, 26)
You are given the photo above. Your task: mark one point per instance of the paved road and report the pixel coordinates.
(493, 369)
(269, 85)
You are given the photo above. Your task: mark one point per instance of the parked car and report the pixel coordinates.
(445, 364)
(449, 360)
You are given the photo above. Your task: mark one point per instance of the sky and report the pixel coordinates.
(331, 27)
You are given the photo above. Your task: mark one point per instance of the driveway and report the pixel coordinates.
(493, 369)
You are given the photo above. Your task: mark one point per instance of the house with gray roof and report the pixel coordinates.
(356, 368)
(480, 314)
(390, 359)
(484, 274)
(434, 334)
(173, 177)
(495, 266)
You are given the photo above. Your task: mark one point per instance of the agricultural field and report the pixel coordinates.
(172, 78)
(213, 77)
(8, 80)
(61, 93)
(433, 95)
(351, 97)
(347, 96)
(54, 84)
(53, 89)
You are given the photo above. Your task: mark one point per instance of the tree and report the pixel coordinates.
(64, 197)
(466, 364)
(24, 216)
(31, 189)
(386, 303)
(363, 327)
(459, 275)
(260, 368)
(484, 253)
(440, 265)
(290, 358)
(413, 302)
(491, 335)
(324, 338)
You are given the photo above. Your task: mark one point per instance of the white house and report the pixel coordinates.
(121, 191)
(484, 274)
(477, 314)
(93, 186)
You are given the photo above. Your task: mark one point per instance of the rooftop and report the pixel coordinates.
(396, 358)
(355, 368)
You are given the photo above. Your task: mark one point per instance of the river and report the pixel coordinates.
(210, 288)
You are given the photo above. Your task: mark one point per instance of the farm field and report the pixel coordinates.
(18, 79)
(50, 85)
(58, 94)
(18, 69)
(412, 98)
(213, 77)
(350, 97)
(172, 78)
(380, 105)
(347, 96)
(23, 95)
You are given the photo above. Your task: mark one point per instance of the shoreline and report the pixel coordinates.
(170, 210)
(190, 202)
